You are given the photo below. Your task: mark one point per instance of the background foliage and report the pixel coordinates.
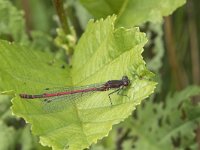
(169, 119)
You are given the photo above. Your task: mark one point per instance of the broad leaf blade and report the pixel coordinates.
(28, 70)
(132, 12)
(103, 53)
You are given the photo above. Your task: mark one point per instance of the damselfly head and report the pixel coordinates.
(125, 80)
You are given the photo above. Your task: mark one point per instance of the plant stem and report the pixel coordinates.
(27, 16)
(62, 16)
(193, 43)
(177, 73)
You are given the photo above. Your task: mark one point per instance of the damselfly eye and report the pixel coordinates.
(125, 80)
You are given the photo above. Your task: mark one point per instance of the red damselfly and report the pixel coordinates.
(76, 92)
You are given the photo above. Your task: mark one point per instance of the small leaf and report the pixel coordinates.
(103, 53)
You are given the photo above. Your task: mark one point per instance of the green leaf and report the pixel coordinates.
(7, 137)
(158, 50)
(103, 53)
(132, 12)
(12, 22)
(28, 141)
(167, 126)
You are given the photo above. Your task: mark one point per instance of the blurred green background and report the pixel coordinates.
(170, 115)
